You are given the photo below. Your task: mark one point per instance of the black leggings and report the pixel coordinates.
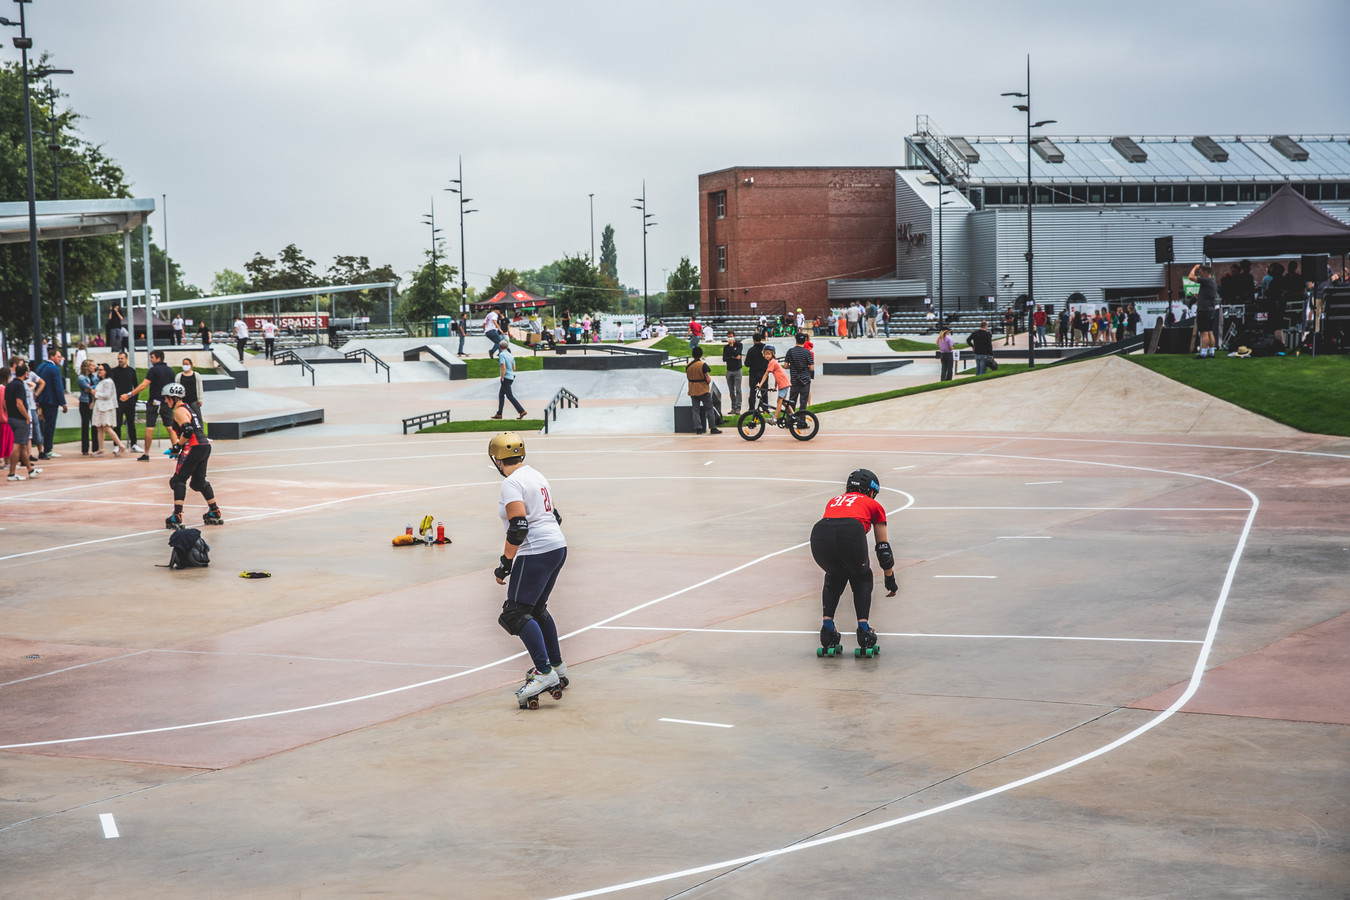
(192, 465)
(839, 546)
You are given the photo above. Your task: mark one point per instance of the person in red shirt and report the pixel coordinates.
(774, 370)
(839, 546)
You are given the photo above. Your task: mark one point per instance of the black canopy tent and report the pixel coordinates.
(1285, 224)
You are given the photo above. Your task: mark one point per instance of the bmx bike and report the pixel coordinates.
(801, 425)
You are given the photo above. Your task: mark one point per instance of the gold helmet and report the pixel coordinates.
(507, 445)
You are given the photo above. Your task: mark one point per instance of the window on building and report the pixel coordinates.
(1246, 192)
(1045, 196)
(1196, 192)
(720, 305)
(719, 204)
(1213, 193)
(1148, 193)
(1262, 193)
(1164, 193)
(1114, 191)
(1230, 193)
(721, 257)
(1078, 194)
(1310, 190)
(1094, 194)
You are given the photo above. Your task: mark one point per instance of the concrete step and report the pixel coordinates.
(614, 420)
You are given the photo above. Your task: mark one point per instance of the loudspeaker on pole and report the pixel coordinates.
(1162, 250)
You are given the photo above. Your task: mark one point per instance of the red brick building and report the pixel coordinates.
(771, 238)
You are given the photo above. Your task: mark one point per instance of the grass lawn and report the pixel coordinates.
(490, 368)
(72, 435)
(905, 345)
(1004, 370)
(484, 425)
(1299, 391)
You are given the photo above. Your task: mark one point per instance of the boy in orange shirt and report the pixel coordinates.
(780, 378)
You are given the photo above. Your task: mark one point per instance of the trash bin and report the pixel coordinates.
(443, 325)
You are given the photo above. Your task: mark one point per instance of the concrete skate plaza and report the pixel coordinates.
(346, 727)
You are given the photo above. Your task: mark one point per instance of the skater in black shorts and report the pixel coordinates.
(839, 546)
(194, 451)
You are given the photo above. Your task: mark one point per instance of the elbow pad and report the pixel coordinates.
(516, 530)
(187, 429)
(884, 555)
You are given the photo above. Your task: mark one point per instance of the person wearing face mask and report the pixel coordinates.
(192, 388)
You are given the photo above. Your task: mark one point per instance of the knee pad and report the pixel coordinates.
(514, 617)
(200, 485)
(540, 612)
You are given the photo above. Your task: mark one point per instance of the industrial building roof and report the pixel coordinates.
(1207, 158)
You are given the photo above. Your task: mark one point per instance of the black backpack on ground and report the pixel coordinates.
(189, 550)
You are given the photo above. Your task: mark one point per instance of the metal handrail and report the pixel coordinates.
(292, 356)
(565, 397)
(366, 356)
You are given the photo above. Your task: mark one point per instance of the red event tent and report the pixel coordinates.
(512, 297)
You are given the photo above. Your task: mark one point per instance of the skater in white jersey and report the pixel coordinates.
(532, 557)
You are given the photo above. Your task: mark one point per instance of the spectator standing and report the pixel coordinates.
(88, 381)
(114, 327)
(1062, 328)
(1009, 326)
(240, 340)
(105, 412)
(81, 354)
(733, 356)
(801, 319)
(1206, 308)
(460, 328)
(204, 333)
(695, 333)
(854, 318)
(699, 377)
(506, 370)
(982, 346)
(801, 364)
(156, 377)
(269, 330)
(51, 397)
(20, 423)
(886, 320)
(945, 349)
(871, 320)
(755, 364)
(6, 433)
(124, 379)
(1039, 318)
(177, 324)
(1132, 320)
(192, 389)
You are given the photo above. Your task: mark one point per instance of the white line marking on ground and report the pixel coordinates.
(109, 826)
(1044, 482)
(1197, 672)
(1024, 537)
(898, 468)
(691, 722)
(506, 659)
(708, 463)
(1206, 509)
(905, 634)
(965, 576)
(97, 662)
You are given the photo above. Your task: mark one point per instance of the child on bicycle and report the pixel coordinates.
(780, 378)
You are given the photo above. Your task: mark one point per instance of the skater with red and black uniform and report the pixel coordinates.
(839, 546)
(532, 557)
(194, 450)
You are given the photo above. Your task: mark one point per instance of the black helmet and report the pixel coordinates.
(862, 481)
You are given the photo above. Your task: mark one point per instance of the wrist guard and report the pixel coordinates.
(504, 569)
(891, 584)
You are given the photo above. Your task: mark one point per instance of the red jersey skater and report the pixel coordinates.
(839, 547)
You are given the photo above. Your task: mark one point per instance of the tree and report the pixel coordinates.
(503, 278)
(227, 282)
(682, 289)
(418, 303)
(609, 255)
(357, 270)
(584, 288)
(91, 263)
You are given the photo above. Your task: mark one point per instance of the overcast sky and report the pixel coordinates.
(332, 124)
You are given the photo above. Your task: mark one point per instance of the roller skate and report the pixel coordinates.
(829, 641)
(536, 683)
(560, 668)
(213, 518)
(867, 641)
(174, 522)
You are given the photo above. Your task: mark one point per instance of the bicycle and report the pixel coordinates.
(801, 425)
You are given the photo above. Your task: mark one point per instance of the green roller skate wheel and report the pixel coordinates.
(820, 651)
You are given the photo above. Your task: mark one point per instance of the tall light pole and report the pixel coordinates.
(640, 204)
(435, 268)
(1031, 200)
(24, 43)
(592, 196)
(463, 202)
(168, 282)
(54, 147)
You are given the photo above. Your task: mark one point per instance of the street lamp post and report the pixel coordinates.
(1031, 200)
(54, 147)
(24, 43)
(463, 201)
(592, 196)
(435, 268)
(640, 204)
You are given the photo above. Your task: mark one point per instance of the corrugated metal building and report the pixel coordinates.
(1100, 203)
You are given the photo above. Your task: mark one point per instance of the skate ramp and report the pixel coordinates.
(1105, 395)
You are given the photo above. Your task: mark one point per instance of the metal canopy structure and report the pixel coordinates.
(67, 219)
(256, 296)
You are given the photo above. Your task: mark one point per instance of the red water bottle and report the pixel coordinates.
(440, 533)
(409, 531)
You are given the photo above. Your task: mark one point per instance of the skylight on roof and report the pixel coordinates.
(1127, 148)
(1047, 150)
(1289, 147)
(1209, 149)
(963, 148)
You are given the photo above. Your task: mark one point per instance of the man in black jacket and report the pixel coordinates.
(124, 379)
(756, 364)
(732, 355)
(981, 344)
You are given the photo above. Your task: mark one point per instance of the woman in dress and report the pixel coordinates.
(105, 412)
(88, 381)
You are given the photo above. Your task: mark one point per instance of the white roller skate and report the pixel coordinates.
(536, 683)
(560, 668)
